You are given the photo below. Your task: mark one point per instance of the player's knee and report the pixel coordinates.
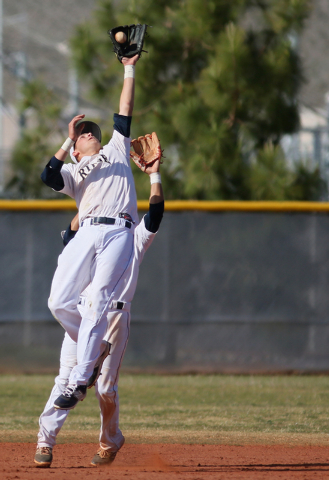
(57, 306)
(106, 394)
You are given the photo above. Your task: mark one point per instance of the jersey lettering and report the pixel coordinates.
(84, 172)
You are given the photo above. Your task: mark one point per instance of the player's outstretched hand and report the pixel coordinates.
(153, 168)
(130, 61)
(73, 131)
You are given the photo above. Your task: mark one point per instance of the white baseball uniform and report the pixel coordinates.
(118, 322)
(99, 255)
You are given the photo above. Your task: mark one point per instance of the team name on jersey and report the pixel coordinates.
(84, 172)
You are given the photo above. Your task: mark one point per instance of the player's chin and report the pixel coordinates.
(95, 143)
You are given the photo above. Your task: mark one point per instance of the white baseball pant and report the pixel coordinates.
(99, 255)
(106, 388)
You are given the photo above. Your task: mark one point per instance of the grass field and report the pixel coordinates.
(182, 409)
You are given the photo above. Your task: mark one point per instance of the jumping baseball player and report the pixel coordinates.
(102, 184)
(118, 321)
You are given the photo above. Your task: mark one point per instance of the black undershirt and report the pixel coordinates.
(154, 216)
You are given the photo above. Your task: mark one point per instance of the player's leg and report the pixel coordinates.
(111, 438)
(52, 420)
(111, 262)
(71, 277)
(113, 254)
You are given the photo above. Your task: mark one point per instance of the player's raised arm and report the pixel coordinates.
(128, 90)
(51, 174)
(153, 171)
(147, 154)
(122, 121)
(154, 216)
(74, 133)
(128, 44)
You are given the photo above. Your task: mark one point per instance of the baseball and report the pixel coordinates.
(120, 37)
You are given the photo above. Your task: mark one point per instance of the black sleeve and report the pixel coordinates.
(122, 124)
(154, 216)
(68, 235)
(52, 176)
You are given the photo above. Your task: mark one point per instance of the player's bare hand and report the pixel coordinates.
(130, 61)
(153, 168)
(73, 131)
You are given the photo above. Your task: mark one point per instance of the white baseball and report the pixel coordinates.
(120, 37)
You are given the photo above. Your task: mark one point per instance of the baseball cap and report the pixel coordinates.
(91, 127)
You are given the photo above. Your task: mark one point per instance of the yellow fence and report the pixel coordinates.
(179, 205)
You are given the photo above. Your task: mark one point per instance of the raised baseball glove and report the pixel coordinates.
(147, 150)
(130, 43)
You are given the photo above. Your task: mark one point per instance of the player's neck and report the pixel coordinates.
(89, 153)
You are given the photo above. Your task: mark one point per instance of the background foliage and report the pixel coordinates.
(220, 86)
(35, 146)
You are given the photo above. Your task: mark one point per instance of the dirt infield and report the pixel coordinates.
(165, 461)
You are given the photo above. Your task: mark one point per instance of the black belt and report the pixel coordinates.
(107, 221)
(120, 305)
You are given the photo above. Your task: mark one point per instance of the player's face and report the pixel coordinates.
(87, 144)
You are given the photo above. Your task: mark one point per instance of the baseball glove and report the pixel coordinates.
(131, 42)
(147, 150)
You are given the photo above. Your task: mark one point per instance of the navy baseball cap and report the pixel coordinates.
(91, 127)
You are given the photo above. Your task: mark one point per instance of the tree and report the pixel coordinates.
(36, 144)
(219, 85)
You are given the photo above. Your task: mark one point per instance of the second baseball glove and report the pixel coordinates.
(133, 45)
(147, 150)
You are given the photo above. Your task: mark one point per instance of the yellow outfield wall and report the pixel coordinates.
(179, 205)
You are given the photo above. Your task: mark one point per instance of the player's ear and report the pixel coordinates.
(75, 154)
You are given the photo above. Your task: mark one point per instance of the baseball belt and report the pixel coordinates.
(114, 304)
(103, 220)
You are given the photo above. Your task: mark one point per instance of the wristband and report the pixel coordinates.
(155, 177)
(129, 71)
(67, 145)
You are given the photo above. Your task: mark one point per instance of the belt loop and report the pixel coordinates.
(117, 305)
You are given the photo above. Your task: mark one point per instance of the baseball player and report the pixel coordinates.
(118, 321)
(102, 184)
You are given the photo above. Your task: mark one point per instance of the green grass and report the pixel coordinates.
(187, 408)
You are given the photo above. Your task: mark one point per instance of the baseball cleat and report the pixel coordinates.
(98, 367)
(70, 397)
(43, 457)
(103, 457)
